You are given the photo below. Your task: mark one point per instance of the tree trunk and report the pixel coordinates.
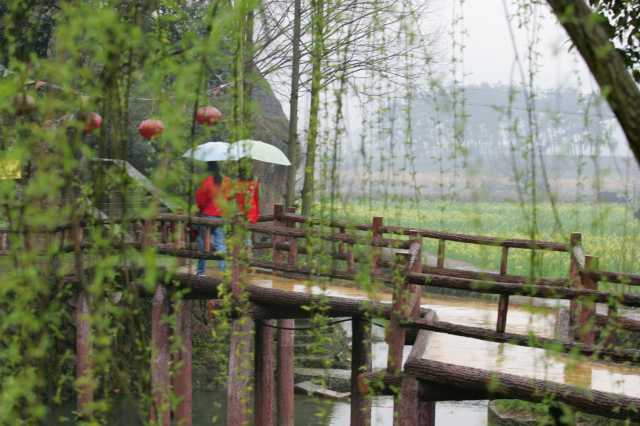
(605, 63)
(316, 85)
(292, 144)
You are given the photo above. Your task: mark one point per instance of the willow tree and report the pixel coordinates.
(125, 61)
(317, 57)
(591, 37)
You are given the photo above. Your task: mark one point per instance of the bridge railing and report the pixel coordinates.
(168, 234)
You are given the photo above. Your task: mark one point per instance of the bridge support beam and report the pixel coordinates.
(264, 374)
(240, 370)
(360, 363)
(286, 338)
(414, 410)
(183, 383)
(84, 381)
(160, 408)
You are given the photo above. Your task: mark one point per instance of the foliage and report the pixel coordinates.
(129, 61)
(623, 18)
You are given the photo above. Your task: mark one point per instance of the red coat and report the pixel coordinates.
(249, 191)
(210, 196)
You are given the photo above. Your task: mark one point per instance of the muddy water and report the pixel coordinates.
(529, 362)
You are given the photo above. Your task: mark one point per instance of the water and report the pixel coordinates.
(207, 405)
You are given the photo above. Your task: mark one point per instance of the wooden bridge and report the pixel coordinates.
(417, 383)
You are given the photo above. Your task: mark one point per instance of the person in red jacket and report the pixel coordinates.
(210, 198)
(248, 196)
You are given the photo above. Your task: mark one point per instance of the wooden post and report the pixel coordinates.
(377, 225)
(575, 240)
(264, 374)
(286, 336)
(441, 247)
(160, 409)
(426, 412)
(285, 373)
(503, 304)
(147, 233)
(351, 263)
(240, 365)
(164, 232)
(341, 251)
(83, 328)
(183, 383)
(406, 304)
(278, 220)
(292, 258)
(360, 363)
(207, 238)
(413, 408)
(4, 241)
(586, 332)
(84, 380)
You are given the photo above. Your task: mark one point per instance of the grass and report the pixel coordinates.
(609, 231)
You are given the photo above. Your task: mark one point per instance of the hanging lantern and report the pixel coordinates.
(150, 128)
(93, 122)
(208, 115)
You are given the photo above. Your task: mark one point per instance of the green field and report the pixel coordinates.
(609, 231)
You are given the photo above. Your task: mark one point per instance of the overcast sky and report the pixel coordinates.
(489, 53)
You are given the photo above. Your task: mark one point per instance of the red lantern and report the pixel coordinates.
(93, 122)
(150, 128)
(208, 115)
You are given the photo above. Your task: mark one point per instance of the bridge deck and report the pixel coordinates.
(525, 362)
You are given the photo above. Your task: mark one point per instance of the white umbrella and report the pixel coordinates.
(246, 148)
(210, 151)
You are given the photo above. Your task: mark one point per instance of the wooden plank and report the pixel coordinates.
(360, 363)
(480, 333)
(310, 388)
(383, 383)
(502, 385)
(478, 239)
(490, 287)
(449, 236)
(264, 373)
(480, 275)
(285, 372)
(614, 277)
